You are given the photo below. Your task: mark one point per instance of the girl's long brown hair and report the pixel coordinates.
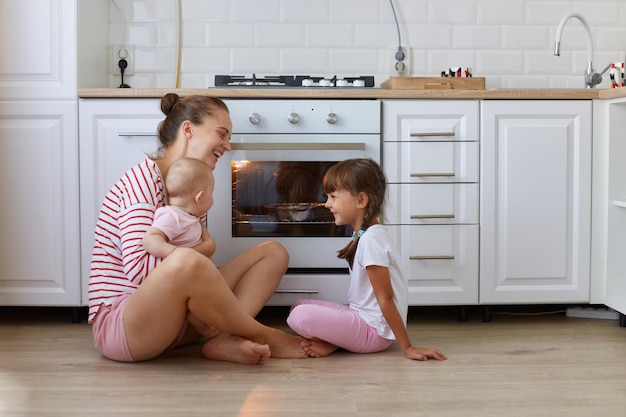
(359, 175)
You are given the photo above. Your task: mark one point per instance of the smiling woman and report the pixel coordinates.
(195, 299)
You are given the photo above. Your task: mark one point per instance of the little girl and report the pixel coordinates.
(378, 304)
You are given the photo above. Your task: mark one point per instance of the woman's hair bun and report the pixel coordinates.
(168, 101)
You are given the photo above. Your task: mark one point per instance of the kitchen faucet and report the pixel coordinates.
(592, 78)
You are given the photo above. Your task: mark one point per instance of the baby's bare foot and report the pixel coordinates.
(225, 347)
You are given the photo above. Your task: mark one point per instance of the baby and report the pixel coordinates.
(189, 184)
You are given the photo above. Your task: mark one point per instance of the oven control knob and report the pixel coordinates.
(331, 118)
(293, 118)
(254, 118)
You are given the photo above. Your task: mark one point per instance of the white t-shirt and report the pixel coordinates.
(377, 248)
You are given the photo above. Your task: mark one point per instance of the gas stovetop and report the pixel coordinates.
(299, 81)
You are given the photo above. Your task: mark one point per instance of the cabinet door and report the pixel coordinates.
(39, 260)
(441, 263)
(535, 201)
(114, 136)
(38, 49)
(616, 219)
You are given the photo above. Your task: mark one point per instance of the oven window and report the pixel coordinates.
(281, 198)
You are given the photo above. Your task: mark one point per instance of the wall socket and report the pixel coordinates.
(400, 68)
(123, 51)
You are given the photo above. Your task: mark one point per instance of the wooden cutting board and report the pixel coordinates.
(434, 83)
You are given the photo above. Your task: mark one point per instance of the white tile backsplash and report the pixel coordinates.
(283, 35)
(452, 11)
(255, 11)
(599, 12)
(305, 61)
(328, 35)
(510, 42)
(477, 36)
(547, 12)
(498, 12)
(231, 35)
(354, 11)
(527, 37)
(305, 11)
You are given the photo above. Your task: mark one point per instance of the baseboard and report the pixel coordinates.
(592, 313)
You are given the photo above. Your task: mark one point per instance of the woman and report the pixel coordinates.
(141, 306)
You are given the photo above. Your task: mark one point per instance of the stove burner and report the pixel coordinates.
(292, 81)
(236, 80)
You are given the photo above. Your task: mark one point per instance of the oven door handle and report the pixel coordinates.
(299, 146)
(122, 134)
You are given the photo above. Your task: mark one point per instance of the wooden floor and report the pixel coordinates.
(516, 365)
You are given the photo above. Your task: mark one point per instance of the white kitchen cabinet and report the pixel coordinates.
(38, 50)
(608, 257)
(431, 160)
(39, 261)
(115, 135)
(535, 201)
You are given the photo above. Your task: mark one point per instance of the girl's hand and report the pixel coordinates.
(422, 354)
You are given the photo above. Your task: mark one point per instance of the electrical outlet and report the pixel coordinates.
(126, 52)
(400, 68)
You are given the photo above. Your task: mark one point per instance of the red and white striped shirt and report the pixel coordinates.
(120, 262)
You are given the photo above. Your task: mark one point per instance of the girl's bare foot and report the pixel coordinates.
(225, 347)
(316, 348)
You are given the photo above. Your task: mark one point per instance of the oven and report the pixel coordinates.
(269, 186)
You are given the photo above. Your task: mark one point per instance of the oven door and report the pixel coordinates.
(269, 188)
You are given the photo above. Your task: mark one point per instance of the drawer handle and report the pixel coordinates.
(432, 174)
(296, 291)
(431, 258)
(619, 203)
(135, 134)
(425, 134)
(432, 216)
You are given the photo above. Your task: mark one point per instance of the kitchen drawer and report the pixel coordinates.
(417, 204)
(293, 287)
(430, 120)
(440, 262)
(431, 162)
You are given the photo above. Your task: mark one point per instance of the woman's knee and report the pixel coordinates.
(186, 263)
(276, 251)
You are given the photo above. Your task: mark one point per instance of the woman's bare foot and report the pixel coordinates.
(316, 348)
(225, 347)
(286, 346)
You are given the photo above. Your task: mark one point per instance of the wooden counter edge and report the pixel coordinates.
(364, 93)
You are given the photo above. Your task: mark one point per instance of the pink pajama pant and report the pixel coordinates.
(336, 324)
